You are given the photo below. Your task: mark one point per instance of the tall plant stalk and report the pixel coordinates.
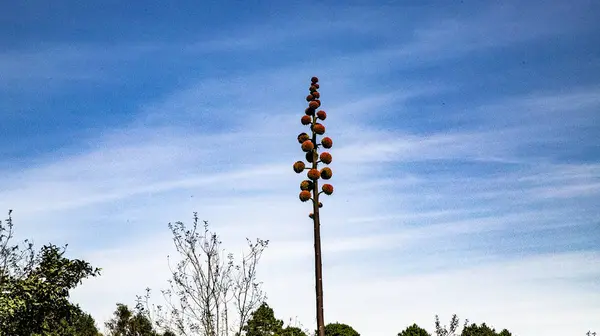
(310, 188)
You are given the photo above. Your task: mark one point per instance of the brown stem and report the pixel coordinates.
(317, 236)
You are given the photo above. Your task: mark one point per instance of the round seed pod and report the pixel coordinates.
(327, 142)
(311, 215)
(316, 94)
(312, 156)
(318, 128)
(315, 85)
(326, 173)
(307, 146)
(304, 195)
(313, 88)
(325, 158)
(310, 97)
(327, 189)
(313, 174)
(307, 185)
(299, 167)
(314, 80)
(302, 137)
(306, 120)
(321, 115)
(309, 111)
(320, 205)
(314, 104)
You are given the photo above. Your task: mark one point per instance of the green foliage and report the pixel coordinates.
(292, 331)
(468, 330)
(262, 322)
(483, 330)
(127, 323)
(82, 324)
(34, 289)
(340, 329)
(414, 330)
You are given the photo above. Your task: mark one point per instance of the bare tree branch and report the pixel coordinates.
(205, 282)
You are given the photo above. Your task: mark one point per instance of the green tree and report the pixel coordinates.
(505, 332)
(292, 331)
(34, 289)
(82, 324)
(340, 329)
(414, 330)
(127, 323)
(38, 303)
(262, 322)
(483, 330)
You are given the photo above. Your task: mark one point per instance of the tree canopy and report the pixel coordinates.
(34, 289)
(262, 322)
(340, 329)
(414, 330)
(483, 330)
(127, 323)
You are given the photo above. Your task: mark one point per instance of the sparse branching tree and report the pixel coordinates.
(448, 331)
(15, 261)
(210, 294)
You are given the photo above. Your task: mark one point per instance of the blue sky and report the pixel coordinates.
(466, 156)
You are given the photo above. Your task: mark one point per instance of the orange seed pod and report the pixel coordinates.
(313, 174)
(319, 128)
(327, 142)
(326, 158)
(311, 156)
(299, 167)
(302, 137)
(307, 146)
(307, 185)
(306, 120)
(326, 173)
(321, 115)
(304, 195)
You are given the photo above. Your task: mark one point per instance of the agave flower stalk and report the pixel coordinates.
(310, 187)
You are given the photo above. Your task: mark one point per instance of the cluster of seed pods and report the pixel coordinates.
(309, 144)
